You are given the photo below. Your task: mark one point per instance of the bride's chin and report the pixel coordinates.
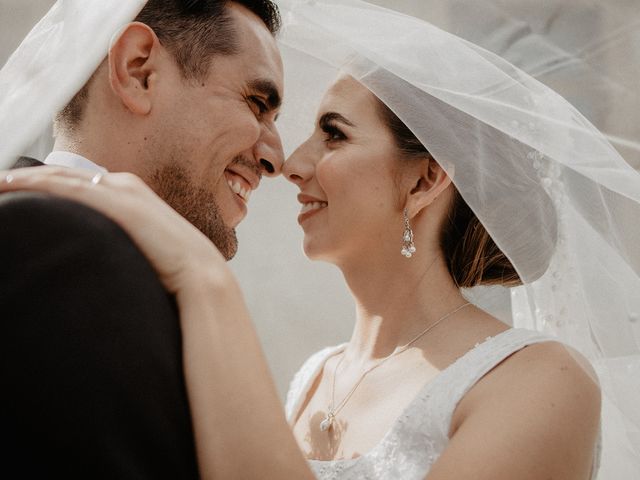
(314, 252)
(309, 252)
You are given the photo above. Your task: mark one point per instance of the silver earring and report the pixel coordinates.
(408, 248)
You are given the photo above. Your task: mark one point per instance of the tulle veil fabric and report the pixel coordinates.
(558, 196)
(51, 64)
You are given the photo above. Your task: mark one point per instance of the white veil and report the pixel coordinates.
(588, 51)
(51, 64)
(555, 195)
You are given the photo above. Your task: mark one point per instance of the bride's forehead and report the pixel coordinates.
(345, 84)
(347, 92)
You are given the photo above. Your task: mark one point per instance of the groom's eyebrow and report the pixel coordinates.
(268, 90)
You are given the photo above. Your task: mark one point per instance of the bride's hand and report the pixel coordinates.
(179, 252)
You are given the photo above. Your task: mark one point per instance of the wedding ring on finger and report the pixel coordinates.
(8, 178)
(96, 179)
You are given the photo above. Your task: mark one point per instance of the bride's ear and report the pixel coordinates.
(133, 62)
(428, 183)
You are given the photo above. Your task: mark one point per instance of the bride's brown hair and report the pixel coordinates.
(473, 258)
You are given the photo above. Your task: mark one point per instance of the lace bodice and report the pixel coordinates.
(418, 437)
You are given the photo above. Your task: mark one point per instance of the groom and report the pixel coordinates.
(91, 356)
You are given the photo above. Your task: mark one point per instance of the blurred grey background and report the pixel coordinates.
(299, 306)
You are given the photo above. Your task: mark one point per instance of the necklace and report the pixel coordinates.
(333, 410)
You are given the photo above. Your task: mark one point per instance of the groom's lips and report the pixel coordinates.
(250, 178)
(241, 182)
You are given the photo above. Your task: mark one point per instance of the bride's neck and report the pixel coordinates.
(393, 305)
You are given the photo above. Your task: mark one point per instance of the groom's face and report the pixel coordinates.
(216, 138)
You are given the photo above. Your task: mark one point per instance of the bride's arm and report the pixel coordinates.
(239, 425)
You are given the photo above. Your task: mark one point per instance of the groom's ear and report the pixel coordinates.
(133, 62)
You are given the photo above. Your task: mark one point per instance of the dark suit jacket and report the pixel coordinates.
(91, 352)
(27, 162)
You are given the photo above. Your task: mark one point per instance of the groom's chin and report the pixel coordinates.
(196, 204)
(228, 245)
(214, 228)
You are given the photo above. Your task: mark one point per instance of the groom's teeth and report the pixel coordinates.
(238, 190)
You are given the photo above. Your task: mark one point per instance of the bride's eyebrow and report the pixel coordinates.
(331, 117)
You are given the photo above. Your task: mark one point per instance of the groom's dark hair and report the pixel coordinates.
(194, 31)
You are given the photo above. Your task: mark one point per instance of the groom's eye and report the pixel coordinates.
(261, 105)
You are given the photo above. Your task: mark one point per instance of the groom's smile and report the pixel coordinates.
(243, 178)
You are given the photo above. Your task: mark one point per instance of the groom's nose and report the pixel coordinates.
(268, 150)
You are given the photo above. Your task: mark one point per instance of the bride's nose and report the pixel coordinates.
(299, 167)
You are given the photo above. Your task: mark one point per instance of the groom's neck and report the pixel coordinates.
(100, 149)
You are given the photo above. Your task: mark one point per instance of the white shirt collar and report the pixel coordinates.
(72, 160)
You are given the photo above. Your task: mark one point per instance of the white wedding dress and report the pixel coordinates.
(419, 436)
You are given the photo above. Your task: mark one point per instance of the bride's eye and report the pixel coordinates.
(332, 133)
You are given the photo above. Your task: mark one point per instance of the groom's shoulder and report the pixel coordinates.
(49, 240)
(35, 220)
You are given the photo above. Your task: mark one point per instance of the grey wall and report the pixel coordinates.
(16, 19)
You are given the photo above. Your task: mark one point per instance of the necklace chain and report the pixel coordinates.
(334, 410)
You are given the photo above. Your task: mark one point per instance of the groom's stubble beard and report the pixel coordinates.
(196, 204)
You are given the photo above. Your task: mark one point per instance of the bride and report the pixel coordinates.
(416, 183)
(359, 174)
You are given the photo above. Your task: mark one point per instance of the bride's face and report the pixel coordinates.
(345, 172)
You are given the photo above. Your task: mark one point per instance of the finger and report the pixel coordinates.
(20, 174)
(46, 178)
(76, 185)
(42, 179)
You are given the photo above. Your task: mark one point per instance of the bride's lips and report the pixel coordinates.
(310, 206)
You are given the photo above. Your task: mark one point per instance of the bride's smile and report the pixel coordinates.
(310, 206)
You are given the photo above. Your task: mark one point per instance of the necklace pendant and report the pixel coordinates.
(327, 422)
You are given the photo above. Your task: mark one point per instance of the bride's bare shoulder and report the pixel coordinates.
(551, 372)
(535, 415)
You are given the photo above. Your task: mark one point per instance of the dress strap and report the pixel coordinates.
(304, 378)
(465, 372)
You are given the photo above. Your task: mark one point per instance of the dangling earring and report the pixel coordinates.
(408, 248)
